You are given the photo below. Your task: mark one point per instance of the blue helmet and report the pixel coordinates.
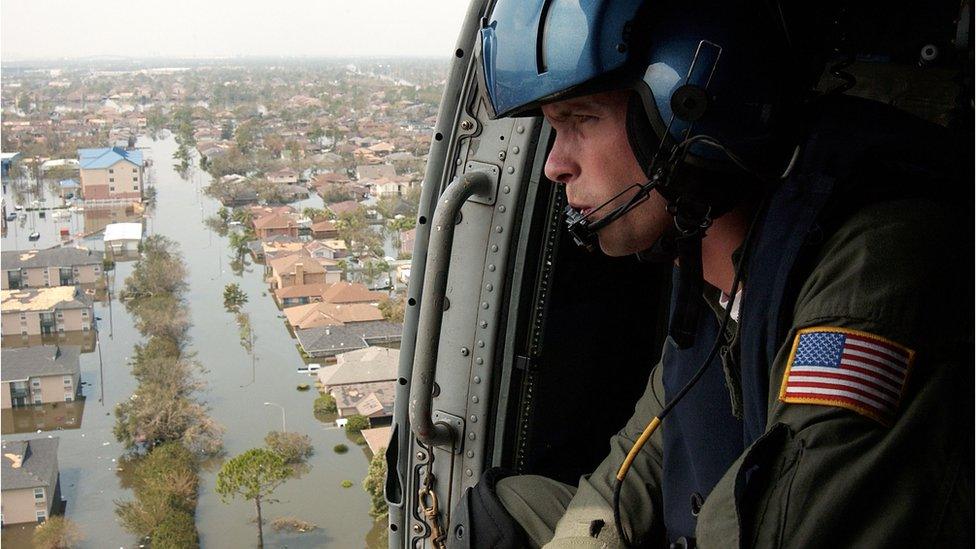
(724, 69)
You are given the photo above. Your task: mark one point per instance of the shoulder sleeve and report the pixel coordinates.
(891, 289)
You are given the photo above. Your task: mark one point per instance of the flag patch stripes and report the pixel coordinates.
(851, 369)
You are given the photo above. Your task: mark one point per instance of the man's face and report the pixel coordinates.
(593, 158)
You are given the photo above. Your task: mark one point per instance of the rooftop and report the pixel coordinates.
(351, 292)
(284, 265)
(377, 438)
(43, 299)
(51, 257)
(48, 360)
(363, 366)
(29, 463)
(94, 159)
(315, 315)
(123, 231)
(330, 340)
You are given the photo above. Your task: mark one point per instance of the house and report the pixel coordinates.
(328, 341)
(351, 292)
(327, 249)
(299, 295)
(375, 171)
(278, 246)
(377, 438)
(373, 400)
(369, 365)
(384, 187)
(111, 174)
(324, 229)
(52, 267)
(239, 197)
(340, 208)
(31, 480)
(38, 375)
(258, 211)
(123, 237)
(290, 193)
(315, 315)
(45, 311)
(276, 224)
(295, 270)
(67, 187)
(284, 175)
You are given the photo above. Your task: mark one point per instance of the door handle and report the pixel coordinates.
(432, 307)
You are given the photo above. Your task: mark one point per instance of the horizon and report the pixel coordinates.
(221, 29)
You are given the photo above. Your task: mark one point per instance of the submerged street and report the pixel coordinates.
(91, 479)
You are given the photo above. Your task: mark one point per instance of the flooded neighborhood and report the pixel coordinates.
(291, 214)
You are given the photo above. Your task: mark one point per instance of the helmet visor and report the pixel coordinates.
(536, 51)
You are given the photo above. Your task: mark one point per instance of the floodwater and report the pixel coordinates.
(89, 456)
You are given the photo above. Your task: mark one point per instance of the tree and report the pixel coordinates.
(392, 309)
(165, 484)
(356, 423)
(160, 270)
(313, 213)
(253, 475)
(292, 447)
(234, 297)
(238, 244)
(374, 482)
(56, 532)
(324, 405)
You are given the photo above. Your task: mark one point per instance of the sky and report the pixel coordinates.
(55, 29)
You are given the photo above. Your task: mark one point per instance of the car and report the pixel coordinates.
(11, 216)
(34, 236)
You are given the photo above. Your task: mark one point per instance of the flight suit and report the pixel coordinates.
(820, 475)
(817, 472)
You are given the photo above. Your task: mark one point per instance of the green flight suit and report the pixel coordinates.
(829, 476)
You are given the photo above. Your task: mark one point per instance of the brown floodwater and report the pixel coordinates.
(92, 476)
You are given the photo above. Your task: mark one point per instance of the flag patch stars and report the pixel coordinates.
(855, 370)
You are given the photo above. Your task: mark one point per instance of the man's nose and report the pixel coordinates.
(561, 165)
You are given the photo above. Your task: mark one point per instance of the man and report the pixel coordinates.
(816, 389)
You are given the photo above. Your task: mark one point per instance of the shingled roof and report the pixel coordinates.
(52, 257)
(47, 360)
(36, 461)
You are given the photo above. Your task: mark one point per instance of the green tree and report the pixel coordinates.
(253, 475)
(160, 270)
(238, 244)
(176, 531)
(56, 532)
(165, 484)
(324, 405)
(245, 137)
(374, 482)
(356, 423)
(234, 297)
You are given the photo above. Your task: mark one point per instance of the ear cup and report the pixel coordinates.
(644, 142)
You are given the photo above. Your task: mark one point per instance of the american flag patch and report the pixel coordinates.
(847, 368)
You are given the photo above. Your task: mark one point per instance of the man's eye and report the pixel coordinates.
(583, 118)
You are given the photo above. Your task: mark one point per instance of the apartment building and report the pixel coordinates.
(31, 480)
(111, 174)
(39, 375)
(51, 267)
(45, 311)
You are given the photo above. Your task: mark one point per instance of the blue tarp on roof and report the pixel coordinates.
(68, 183)
(93, 159)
